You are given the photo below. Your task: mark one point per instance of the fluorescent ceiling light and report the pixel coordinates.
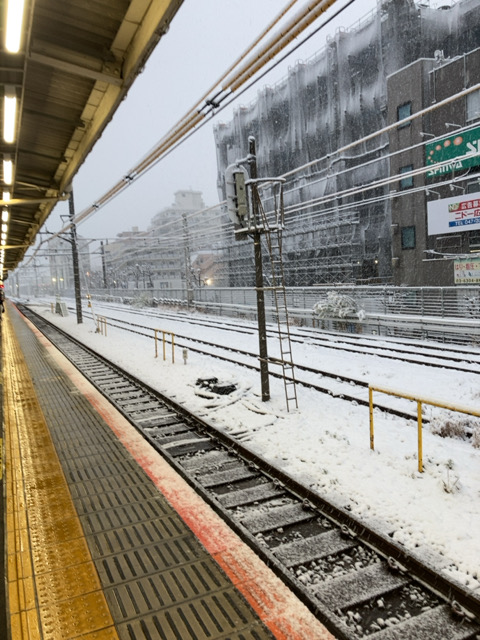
(5, 215)
(4, 227)
(7, 171)
(9, 115)
(13, 34)
(6, 196)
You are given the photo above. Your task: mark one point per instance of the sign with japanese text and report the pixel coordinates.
(461, 150)
(467, 271)
(452, 215)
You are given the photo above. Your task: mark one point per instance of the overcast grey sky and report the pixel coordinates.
(204, 39)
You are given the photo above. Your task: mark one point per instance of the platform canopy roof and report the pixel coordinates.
(76, 61)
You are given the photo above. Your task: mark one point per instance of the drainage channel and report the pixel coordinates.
(358, 582)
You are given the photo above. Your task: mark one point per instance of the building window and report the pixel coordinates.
(408, 237)
(473, 105)
(474, 240)
(403, 111)
(448, 244)
(406, 183)
(473, 187)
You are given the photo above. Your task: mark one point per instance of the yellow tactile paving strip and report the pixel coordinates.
(53, 588)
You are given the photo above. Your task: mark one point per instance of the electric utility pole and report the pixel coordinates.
(76, 272)
(257, 247)
(104, 267)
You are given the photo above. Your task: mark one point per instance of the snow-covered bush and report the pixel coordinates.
(476, 438)
(448, 428)
(141, 300)
(457, 427)
(337, 305)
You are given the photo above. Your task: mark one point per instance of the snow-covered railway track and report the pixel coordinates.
(436, 356)
(331, 383)
(358, 582)
(452, 357)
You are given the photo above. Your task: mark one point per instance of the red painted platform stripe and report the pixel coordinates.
(279, 609)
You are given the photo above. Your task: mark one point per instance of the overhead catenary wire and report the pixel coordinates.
(182, 128)
(173, 137)
(355, 191)
(207, 99)
(330, 156)
(388, 128)
(176, 136)
(294, 27)
(305, 204)
(218, 232)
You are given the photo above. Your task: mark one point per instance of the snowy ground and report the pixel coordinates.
(325, 443)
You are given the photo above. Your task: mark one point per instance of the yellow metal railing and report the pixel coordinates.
(419, 401)
(102, 325)
(164, 340)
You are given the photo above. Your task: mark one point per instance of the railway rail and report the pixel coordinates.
(453, 357)
(332, 383)
(360, 584)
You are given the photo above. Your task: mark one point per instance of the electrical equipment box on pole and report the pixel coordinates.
(236, 192)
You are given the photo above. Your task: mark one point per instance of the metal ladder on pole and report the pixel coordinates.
(273, 238)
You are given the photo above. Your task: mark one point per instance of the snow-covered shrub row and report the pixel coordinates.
(337, 305)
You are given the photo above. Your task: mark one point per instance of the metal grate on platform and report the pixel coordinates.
(158, 581)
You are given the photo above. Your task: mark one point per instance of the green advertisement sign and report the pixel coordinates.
(450, 151)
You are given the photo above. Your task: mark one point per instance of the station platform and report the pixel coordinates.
(102, 538)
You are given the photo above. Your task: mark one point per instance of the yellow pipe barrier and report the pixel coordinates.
(370, 406)
(420, 436)
(102, 325)
(419, 401)
(164, 333)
